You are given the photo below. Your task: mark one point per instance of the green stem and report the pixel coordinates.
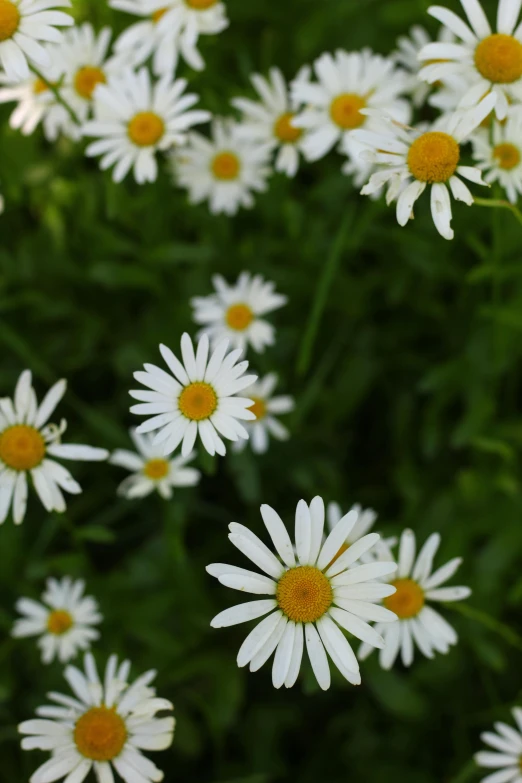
(54, 89)
(500, 204)
(507, 633)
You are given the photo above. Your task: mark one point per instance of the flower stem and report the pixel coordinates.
(54, 89)
(509, 636)
(501, 204)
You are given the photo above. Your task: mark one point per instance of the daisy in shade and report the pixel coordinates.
(64, 621)
(103, 727)
(501, 157)
(265, 408)
(197, 399)
(224, 170)
(364, 522)
(151, 471)
(234, 311)
(506, 756)
(416, 587)
(491, 62)
(28, 444)
(135, 119)
(312, 595)
(23, 25)
(412, 159)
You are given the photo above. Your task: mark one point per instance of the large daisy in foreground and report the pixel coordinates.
(506, 754)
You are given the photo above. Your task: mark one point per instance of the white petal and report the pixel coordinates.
(242, 613)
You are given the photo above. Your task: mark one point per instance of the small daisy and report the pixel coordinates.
(64, 625)
(233, 311)
(265, 409)
(23, 25)
(407, 57)
(506, 756)
(27, 442)
(490, 62)
(413, 159)
(104, 727)
(135, 119)
(416, 585)
(501, 157)
(224, 169)
(364, 522)
(311, 595)
(197, 399)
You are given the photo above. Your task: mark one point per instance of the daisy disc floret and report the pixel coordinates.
(310, 598)
(506, 754)
(266, 409)
(500, 156)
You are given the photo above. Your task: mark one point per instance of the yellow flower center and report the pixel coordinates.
(145, 129)
(39, 86)
(100, 734)
(499, 58)
(197, 401)
(284, 130)
(200, 5)
(9, 19)
(156, 468)
(239, 317)
(345, 110)
(21, 447)
(407, 601)
(59, 621)
(258, 408)
(433, 157)
(86, 80)
(507, 156)
(156, 16)
(226, 165)
(304, 594)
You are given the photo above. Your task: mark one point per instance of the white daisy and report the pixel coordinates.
(311, 595)
(27, 445)
(490, 62)
(364, 522)
(500, 156)
(407, 57)
(506, 756)
(105, 726)
(151, 471)
(265, 408)
(223, 170)
(23, 25)
(413, 159)
(416, 586)
(233, 311)
(197, 399)
(64, 622)
(135, 119)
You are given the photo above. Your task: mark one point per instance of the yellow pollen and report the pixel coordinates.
(21, 447)
(226, 165)
(200, 5)
(304, 594)
(499, 58)
(156, 16)
(258, 408)
(507, 156)
(156, 468)
(345, 110)
(239, 317)
(342, 550)
(284, 130)
(100, 734)
(197, 401)
(433, 157)
(39, 86)
(59, 621)
(86, 80)
(9, 19)
(407, 601)
(145, 129)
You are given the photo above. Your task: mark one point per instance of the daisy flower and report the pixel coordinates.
(416, 586)
(151, 471)
(364, 522)
(23, 25)
(135, 119)
(27, 445)
(233, 311)
(407, 57)
(490, 62)
(506, 756)
(413, 159)
(265, 409)
(105, 726)
(64, 621)
(197, 399)
(501, 157)
(312, 595)
(224, 169)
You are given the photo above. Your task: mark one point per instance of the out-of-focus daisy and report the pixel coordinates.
(417, 585)
(310, 596)
(224, 170)
(364, 521)
(407, 56)
(234, 311)
(28, 444)
(490, 62)
(197, 399)
(135, 119)
(265, 408)
(24, 24)
(104, 727)
(506, 756)
(413, 159)
(501, 156)
(151, 471)
(64, 621)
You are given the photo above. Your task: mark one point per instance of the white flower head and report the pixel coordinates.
(417, 586)
(135, 119)
(103, 728)
(501, 156)
(198, 398)
(506, 756)
(407, 57)
(365, 519)
(312, 595)
(64, 621)
(151, 471)
(266, 409)
(224, 170)
(28, 444)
